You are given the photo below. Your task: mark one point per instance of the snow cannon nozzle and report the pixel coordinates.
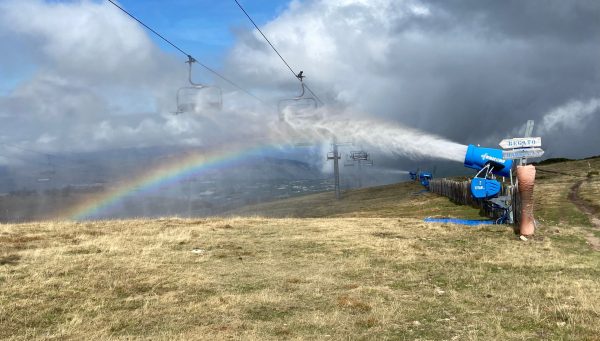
(478, 157)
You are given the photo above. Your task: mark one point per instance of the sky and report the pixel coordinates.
(82, 76)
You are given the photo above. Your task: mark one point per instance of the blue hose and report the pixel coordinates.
(469, 222)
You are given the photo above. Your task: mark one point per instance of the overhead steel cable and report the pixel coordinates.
(267, 39)
(296, 75)
(190, 57)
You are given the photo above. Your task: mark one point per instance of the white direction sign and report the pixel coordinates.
(521, 142)
(522, 153)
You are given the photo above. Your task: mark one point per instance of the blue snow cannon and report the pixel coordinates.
(413, 175)
(478, 157)
(424, 177)
(482, 188)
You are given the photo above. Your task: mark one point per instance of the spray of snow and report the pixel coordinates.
(395, 171)
(390, 138)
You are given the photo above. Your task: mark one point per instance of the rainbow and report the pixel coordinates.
(168, 173)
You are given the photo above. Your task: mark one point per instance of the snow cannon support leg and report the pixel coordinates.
(526, 176)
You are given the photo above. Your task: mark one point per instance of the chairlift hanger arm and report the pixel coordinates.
(299, 75)
(191, 61)
(302, 88)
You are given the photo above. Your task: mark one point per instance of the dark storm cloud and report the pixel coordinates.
(472, 71)
(569, 21)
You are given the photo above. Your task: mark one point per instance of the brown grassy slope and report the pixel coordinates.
(324, 278)
(552, 206)
(399, 200)
(255, 278)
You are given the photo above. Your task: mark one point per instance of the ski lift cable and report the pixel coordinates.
(298, 76)
(190, 57)
(267, 39)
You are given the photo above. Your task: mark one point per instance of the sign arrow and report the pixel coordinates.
(521, 142)
(522, 153)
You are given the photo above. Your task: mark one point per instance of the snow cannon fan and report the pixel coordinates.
(424, 177)
(482, 188)
(488, 162)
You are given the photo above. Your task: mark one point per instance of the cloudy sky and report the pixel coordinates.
(81, 75)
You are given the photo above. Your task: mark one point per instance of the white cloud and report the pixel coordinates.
(99, 81)
(82, 39)
(572, 115)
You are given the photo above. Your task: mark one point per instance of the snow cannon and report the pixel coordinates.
(424, 177)
(489, 163)
(413, 175)
(482, 188)
(480, 158)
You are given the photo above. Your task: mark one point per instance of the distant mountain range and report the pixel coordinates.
(105, 167)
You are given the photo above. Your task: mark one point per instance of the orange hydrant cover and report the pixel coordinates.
(526, 177)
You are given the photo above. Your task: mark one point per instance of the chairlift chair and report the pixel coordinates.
(367, 162)
(188, 96)
(301, 106)
(349, 162)
(359, 155)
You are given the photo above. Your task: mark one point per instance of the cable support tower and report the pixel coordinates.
(335, 156)
(189, 56)
(298, 75)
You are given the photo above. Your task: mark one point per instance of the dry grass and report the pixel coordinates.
(590, 191)
(256, 278)
(399, 200)
(373, 274)
(551, 192)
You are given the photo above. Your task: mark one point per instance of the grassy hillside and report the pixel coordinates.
(399, 200)
(368, 268)
(553, 184)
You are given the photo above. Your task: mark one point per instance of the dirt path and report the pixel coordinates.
(591, 211)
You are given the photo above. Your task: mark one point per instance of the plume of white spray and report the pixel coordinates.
(390, 138)
(395, 171)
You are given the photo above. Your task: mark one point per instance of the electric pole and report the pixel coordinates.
(335, 156)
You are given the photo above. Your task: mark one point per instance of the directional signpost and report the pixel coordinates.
(522, 153)
(522, 147)
(523, 142)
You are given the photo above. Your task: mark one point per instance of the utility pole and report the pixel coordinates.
(335, 156)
